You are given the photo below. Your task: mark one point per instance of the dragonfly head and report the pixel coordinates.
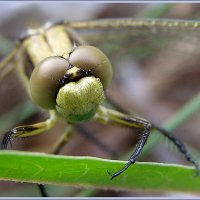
(74, 87)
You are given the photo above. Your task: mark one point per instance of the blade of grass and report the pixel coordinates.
(92, 172)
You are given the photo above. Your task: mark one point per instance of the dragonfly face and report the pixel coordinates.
(107, 28)
(64, 82)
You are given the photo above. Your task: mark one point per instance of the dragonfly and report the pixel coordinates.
(69, 78)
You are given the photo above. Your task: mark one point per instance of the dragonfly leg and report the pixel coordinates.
(176, 141)
(63, 140)
(108, 116)
(28, 130)
(137, 152)
(180, 145)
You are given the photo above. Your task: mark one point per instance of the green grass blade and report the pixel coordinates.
(92, 172)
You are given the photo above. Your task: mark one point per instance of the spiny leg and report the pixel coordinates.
(176, 141)
(108, 116)
(138, 149)
(180, 145)
(29, 130)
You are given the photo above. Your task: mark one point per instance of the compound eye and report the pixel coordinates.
(89, 57)
(44, 81)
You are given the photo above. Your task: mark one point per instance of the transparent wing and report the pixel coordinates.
(161, 55)
(139, 38)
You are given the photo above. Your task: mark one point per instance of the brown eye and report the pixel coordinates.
(44, 81)
(89, 57)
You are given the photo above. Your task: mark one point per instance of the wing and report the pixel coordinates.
(138, 38)
(163, 53)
